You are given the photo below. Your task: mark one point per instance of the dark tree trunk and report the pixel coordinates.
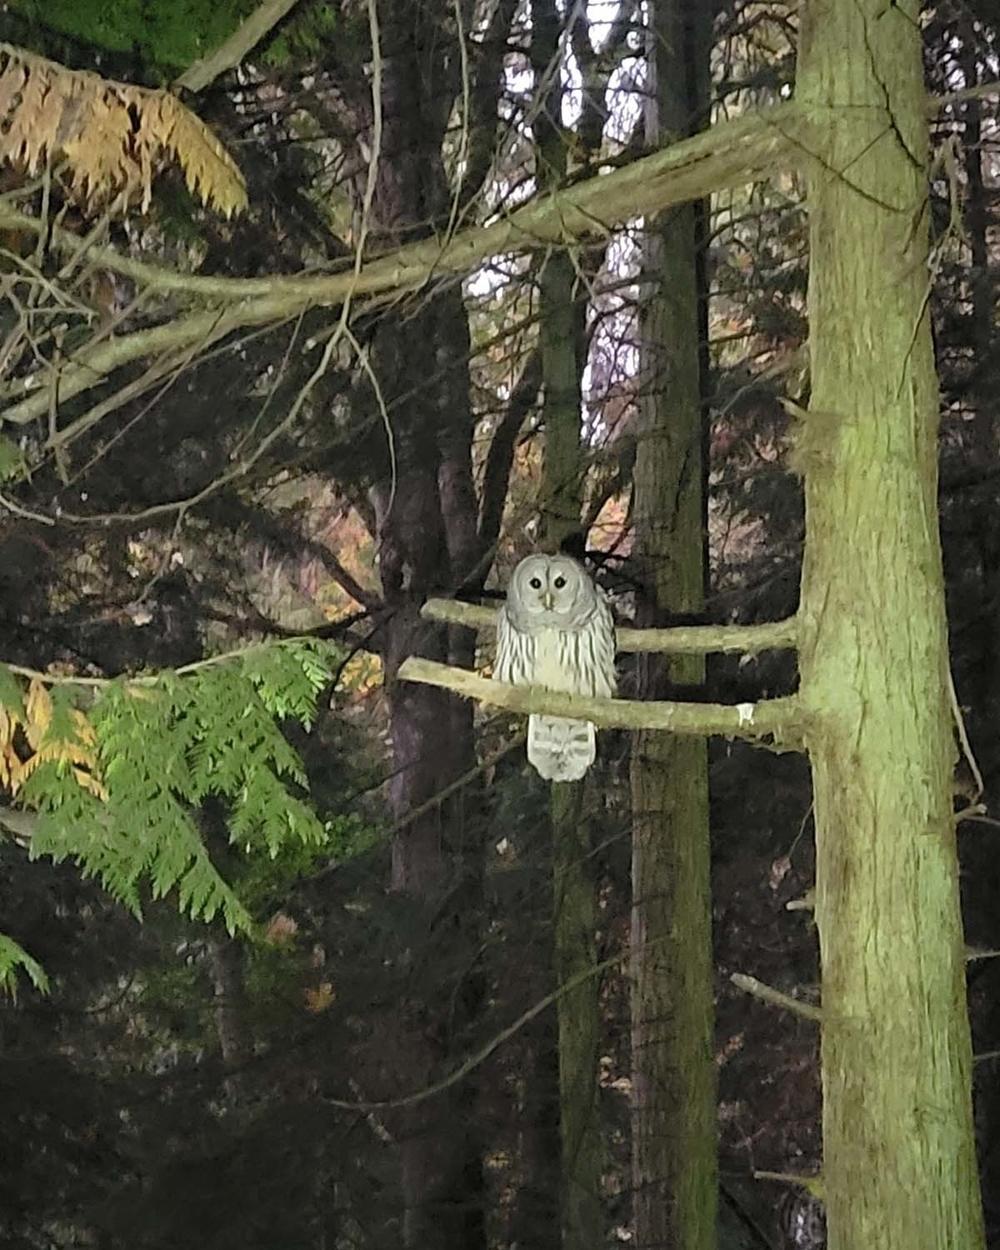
(426, 516)
(674, 1171)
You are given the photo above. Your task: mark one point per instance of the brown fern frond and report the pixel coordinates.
(113, 137)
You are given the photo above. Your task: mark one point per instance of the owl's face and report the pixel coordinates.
(550, 590)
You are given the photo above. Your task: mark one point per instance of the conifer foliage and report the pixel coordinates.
(116, 777)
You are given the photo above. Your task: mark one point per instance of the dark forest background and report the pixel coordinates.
(179, 1086)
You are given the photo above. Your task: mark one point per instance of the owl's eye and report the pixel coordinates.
(560, 582)
(535, 583)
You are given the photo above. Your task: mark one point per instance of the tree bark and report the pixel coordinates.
(674, 1170)
(579, 1014)
(426, 516)
(899, 1163)
(561, 333)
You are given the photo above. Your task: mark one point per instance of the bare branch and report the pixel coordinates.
(780, 719)
(500, 457)
(768, 994)
(233, 513)
(812, 1184)
(682, 640)
(729, 154)
(231, 52)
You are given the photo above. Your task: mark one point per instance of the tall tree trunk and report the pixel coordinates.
(432, 744)
(674, 1171)
(899, 1163)
(561, 331)
(426, 529)
(579, 1013)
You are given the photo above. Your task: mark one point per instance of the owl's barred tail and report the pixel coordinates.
(561, 750)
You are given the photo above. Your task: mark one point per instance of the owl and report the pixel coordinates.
(556, 631)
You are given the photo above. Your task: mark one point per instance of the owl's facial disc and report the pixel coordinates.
(546, 589)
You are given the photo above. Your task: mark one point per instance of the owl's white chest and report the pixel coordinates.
(553, 667)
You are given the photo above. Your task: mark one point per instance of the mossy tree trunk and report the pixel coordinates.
(561, 337)
(899, 1165)
(575, 919)
(674, 1171)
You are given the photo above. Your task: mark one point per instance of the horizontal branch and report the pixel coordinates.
(729, 154)
(768, 994)
(746, 149)
(777, 719)
(812, 1184)
(681, 640)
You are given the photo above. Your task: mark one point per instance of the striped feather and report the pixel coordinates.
(571, 661)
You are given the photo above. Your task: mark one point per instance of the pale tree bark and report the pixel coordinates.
(674, 1170)
(899, 1163)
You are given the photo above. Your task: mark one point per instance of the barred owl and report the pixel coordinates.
(555, 631)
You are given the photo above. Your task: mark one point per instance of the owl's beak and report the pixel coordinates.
(548, 601)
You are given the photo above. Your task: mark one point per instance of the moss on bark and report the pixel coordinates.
(899, 1167)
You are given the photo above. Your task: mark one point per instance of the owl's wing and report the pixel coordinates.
(602, 641)
(503, 669)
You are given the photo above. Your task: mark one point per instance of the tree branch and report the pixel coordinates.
(500, 457)
(812, 1184)
(232, 51)
(682, 640)
(729, 154)
(487, 78)
(780, 719)
(232, 512)
(768, 994)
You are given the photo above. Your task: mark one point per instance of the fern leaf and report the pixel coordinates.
(113, 137)
(116, 789)
(208, 168)
(13, 959)
(37, 713)
(11, 697)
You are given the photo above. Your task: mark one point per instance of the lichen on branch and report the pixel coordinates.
(779, 721)
(680, 640)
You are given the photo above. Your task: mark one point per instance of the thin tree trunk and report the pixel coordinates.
(579, 1012)
(899, 1163)
(674, 1171)
(561, 327)
(226, 961)
(426, 518)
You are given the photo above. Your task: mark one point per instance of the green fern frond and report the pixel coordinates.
(14, 959)
(162, 749)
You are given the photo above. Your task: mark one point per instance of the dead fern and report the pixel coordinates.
(111, 137)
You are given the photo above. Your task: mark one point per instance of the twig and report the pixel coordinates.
(28, 515)
(780, 719)
(458, 784)
(683, 640)
(976, 812)
(972, 953)
(768, 994)
(150, 679)
(232, 51)
(963, 737)
(730, 154)
(812, 1184)
(487, 1049)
